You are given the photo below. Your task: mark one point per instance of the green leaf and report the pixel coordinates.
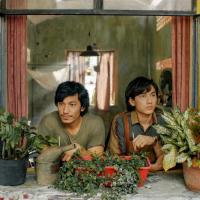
(182, 157)
(189, 162)
(162, 130)
(10, 118)
(167, 147)
(169, 160)
(190, 139)
(183, 149)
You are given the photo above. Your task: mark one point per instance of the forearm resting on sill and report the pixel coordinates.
(158, 165)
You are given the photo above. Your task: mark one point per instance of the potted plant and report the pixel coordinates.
(17, 140)
(180, 136)
(111, 175)
(143, 173)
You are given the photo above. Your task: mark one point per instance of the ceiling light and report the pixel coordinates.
(89, 52)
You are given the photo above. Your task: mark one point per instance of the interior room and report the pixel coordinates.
(141, 46)
(102, 44)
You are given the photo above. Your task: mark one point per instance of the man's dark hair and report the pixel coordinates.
(71, 88)
(137, 87)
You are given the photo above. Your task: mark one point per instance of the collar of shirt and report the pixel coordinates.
(134, 118)
(137, 129)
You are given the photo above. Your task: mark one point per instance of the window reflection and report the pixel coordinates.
(175, 5)
(49, 4)
(161, 5)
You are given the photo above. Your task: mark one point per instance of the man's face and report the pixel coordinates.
(146, 102)
(69, 109)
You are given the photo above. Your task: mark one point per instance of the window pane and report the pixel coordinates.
(170, 5)
(49, 4)
(164, 5)
(90, 77)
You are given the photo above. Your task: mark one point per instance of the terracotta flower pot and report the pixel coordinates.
(143, 172)
(125, 157)
(109, 171)
(191, 177)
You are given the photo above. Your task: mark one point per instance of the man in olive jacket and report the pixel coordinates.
(72, 124)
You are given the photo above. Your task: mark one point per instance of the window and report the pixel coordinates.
(91, 77)
(97, 74)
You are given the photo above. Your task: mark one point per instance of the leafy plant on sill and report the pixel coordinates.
(82, 176)
(18, 138)
(180, 136)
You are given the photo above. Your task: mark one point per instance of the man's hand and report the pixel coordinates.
(97, 150)
(68, 154)
(141, 141)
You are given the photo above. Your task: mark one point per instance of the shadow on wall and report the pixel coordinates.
(166, 88)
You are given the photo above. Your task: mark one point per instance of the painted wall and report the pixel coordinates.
(129, 36)
(160, 46)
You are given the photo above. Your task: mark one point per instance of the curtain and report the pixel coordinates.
(105, 84)
(76, 66)
(16, 4)
(180, 61)
(17, 97)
